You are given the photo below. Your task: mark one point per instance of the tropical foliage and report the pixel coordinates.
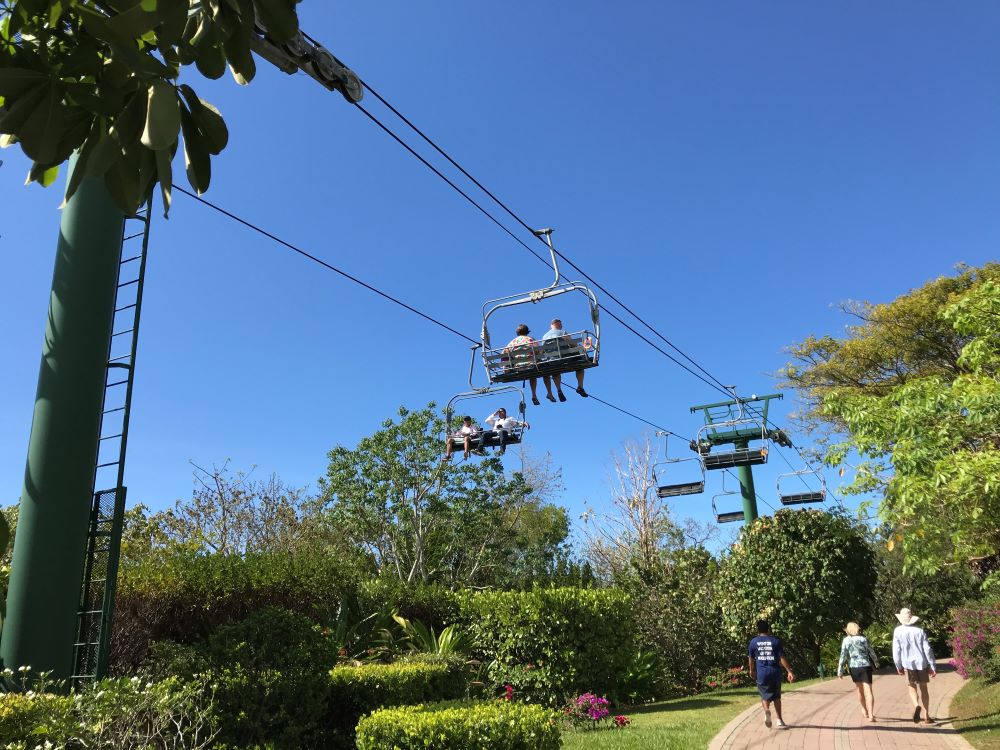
(806, 571)
(913, 391)
(102, 78)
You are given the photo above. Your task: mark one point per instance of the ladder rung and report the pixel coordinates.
(129, 260)
(91, 612)
(117, 382)
(115, 359)
(123, 309)
(122, 333)
(133, 236)
(119, 365)
(128, 283)
(109, 463)
(111, 437)
(112, 411)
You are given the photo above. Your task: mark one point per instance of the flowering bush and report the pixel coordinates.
(975, 640)
(588, 711)
(732, 677)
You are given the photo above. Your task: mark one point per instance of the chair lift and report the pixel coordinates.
(675, 489)
(554, 356)
(740, 429)
(802, 498)
(729, 516)
(452, 421)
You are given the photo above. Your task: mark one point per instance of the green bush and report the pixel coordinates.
(551, 644)
(43, 716)
(185, 597)
(497, 725)
(270, 671)
(355, 691)
(115, 713)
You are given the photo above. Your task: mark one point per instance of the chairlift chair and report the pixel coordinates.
(554, 356)
(729, 516)
(734, 429)
(664, 470)
(488, 437)
(801, 498)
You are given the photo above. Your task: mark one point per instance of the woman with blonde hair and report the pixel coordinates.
(857, 651)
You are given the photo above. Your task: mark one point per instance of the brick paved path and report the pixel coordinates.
(827, 716)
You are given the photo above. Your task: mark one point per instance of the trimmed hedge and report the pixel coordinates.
(552, 644)
(498, 725)
(355, 691)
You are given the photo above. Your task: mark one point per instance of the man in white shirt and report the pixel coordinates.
(466, 433)
(556, 332)
(502, 425)
(911, 651)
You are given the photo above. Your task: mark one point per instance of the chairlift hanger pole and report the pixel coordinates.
(50, 546)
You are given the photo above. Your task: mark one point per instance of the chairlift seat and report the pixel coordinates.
(732, 459)
(736, 515)
(686, 488)
(491, 439)
(802, 498)
(553, 356)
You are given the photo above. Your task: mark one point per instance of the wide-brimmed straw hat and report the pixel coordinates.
(905, 617)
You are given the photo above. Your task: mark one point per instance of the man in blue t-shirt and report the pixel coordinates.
(766, 659)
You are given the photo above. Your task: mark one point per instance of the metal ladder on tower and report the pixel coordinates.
(97, 592)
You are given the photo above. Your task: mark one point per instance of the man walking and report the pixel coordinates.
(913, 656)
(765, 654)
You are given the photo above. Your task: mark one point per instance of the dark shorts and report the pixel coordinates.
(770, 688)
(917, 676)
(861, 674)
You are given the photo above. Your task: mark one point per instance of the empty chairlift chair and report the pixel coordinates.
(554, 356)
(739, 432)
(728, 516)
(797, 491)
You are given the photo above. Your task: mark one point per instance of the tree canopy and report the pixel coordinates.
(913, 391)
(806, 571)
(423, 519)
(101, 77)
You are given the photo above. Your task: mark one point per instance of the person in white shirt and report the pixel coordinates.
(911, 651)
(556, 332)
(465, 433)
(502, 425)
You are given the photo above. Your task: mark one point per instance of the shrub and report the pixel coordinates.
(550, 644)
(355, 691)
(45, 717)
(732, 677)
(975, 640)
(271, 675)
(185, 597)
(498, 725)
(113, 714)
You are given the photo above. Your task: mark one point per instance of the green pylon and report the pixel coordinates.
(50, 542)
(745, 476)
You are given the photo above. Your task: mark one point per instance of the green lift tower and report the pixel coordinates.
(743, 429)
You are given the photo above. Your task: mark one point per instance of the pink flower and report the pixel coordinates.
(622, 721)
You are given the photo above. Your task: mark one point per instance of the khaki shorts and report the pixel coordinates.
(917, 676)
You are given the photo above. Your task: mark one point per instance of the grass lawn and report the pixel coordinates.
(977, 710)
(679, 724)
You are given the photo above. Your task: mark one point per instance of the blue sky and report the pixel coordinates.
(730, 170)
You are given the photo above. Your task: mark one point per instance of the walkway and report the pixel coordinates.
(827, 716)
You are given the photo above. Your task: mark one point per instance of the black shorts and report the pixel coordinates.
(770, 688)
(862, 674)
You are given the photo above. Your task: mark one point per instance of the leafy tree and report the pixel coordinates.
(101, 77)
(423, 519)
(679, 618)
(913, 390)
(805, 571)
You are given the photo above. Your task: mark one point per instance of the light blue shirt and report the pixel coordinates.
(911, 649)
(553, 333)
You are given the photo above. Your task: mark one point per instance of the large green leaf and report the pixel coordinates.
(43, 129)
(197, 162)
(163, 116)
(12, 121)
(278, 16)
(164, 174)
(208, 119)
(16, 81)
